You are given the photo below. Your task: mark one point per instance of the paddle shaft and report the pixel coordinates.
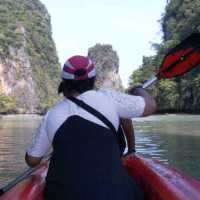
(150, 82)
(18, 179)
(22, 176)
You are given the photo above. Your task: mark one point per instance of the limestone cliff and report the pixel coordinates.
(107, 65)
(29, 68)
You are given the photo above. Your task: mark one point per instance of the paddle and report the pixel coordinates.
(179, 60)
(21, 177)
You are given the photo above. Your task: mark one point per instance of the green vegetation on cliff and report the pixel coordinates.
(181, 18)
(106, 62)
(7, 104)
(26, 29)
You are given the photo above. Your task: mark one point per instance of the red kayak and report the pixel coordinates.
(157, 180)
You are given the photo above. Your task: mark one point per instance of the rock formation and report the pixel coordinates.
(107, 64)
(29, 68)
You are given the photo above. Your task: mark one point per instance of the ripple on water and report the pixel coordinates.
(173, 139)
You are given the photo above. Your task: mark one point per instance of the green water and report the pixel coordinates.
(15, 134)
(173, 139)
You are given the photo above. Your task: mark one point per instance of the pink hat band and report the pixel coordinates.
(78, 68)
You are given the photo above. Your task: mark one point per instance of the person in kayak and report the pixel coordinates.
(82, 128)
(126, 136)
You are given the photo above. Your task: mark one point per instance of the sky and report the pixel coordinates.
(130, 26)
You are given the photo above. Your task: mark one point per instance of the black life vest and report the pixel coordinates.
(86, 164)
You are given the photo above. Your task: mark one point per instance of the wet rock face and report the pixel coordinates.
(17, 80)
(106, 61)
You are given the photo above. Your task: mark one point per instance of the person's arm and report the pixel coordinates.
(127, 126)
(150, 104)
(39, 146)
(128, 106)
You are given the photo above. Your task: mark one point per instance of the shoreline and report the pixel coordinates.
(19, 115)
(146, 118)
(157, 113)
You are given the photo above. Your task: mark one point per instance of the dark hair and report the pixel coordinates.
(78, 86)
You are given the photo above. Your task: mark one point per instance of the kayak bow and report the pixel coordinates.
(157, 180)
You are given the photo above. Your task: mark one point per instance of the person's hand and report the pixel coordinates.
(150, 103)
(132, 90)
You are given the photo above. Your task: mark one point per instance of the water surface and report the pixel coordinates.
(15, 134)
(173, 139)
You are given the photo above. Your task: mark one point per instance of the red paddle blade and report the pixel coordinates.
(182, 58)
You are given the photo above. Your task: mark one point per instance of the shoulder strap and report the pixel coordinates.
(96, 113)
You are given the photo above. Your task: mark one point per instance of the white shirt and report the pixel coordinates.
(112, 104)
